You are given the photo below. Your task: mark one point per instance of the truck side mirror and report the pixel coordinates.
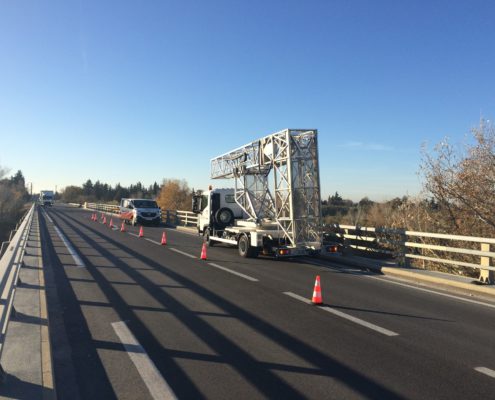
(196, 204)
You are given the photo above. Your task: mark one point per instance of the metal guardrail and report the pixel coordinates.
(10, 264)
(170, 217)
(408, 245)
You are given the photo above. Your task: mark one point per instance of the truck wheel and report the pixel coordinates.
(245, 248)
(224, 216)
(208, 241)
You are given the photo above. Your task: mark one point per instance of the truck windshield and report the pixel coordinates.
(47, 197)
(145, 204)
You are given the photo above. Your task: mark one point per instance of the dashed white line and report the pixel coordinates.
(486, 371)
(182, 252)
(154, 381)
(358, 321)
(153, 241)
(71, 250)
(249, 278)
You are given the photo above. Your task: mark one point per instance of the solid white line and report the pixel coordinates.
(71, 250)
(358, 321)
(486, 371)
(47, 217)
(249, 278)
(133, 234)
(154, 381)
(432, 291)
(153, 241)
(183, 253)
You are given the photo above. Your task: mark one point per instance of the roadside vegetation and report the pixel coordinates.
(458, 198)
(13, 198)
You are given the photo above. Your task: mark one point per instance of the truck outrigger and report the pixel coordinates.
(275, 207)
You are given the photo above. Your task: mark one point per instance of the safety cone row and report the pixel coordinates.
(203, 251)
(317, 292)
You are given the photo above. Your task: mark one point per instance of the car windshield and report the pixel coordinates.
(145, 204)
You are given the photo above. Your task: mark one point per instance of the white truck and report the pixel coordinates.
(275, 207)
(46, 197)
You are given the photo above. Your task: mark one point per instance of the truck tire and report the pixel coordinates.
(224, 216)
(245, 248)
(207, 238)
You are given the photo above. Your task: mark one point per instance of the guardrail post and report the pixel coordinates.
(486, 275)
(403, 260)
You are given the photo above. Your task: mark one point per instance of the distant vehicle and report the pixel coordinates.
(140, 211)
(46, 198)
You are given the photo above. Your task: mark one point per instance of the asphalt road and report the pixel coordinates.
(132, 319)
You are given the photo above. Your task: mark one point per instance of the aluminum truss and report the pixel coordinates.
(277, 178)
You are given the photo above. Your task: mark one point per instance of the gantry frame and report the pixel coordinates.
(277, 180)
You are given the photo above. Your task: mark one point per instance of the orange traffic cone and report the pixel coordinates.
(111, 223)
(141, 232)
(164, 239)
(95, 218)
(317, 292)
(203, 251)
(104, 220)
(122, 228)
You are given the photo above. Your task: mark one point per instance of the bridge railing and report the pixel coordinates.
(170, 217)
(453, 250)
(10, 264)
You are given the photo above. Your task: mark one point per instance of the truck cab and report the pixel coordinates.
(140, 211)
(46, 198)
(216, 209)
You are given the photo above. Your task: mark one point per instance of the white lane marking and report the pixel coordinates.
(47, 217)
(249, 278)
(183, 253)
(71, 250)
(133, 234)
(154, 381)
(153, 241)
(432, 291)
(486, 371)
(358, 321)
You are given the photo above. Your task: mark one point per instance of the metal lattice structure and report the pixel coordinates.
(277, 179)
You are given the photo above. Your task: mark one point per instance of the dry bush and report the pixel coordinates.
(174, 195)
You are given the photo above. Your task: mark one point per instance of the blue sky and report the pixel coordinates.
(127, 91)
